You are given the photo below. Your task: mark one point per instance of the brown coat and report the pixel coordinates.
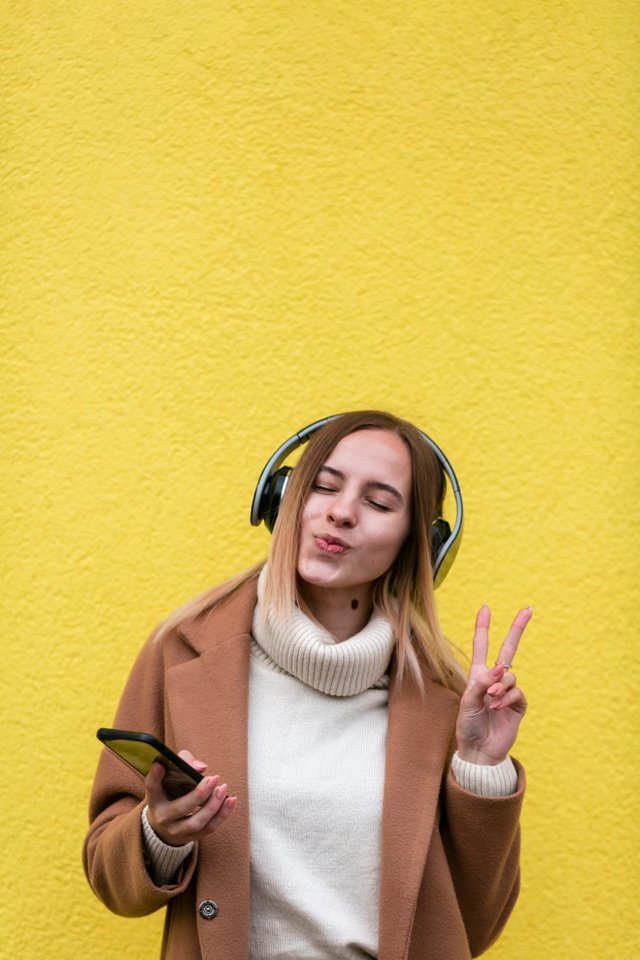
(449, 870)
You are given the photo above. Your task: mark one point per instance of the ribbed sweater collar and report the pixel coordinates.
(303, 648)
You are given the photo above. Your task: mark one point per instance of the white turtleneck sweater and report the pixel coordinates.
(317, 737)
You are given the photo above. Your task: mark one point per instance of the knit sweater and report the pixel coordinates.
(317, 735)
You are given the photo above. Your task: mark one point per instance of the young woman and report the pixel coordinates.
(361, 800)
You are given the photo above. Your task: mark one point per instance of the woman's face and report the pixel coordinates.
(357, 513)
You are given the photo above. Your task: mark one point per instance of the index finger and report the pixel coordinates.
(510, 645)
(189, 757)
(481, 636)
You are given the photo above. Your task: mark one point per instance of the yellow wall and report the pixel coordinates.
(224, 220)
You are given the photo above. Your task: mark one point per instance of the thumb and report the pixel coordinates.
(153, 784)
(475, 693)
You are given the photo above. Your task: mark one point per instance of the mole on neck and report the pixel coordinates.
(355, 604)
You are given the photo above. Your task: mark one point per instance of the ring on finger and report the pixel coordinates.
(507, 666)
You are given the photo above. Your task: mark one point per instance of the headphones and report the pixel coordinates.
(274, 479)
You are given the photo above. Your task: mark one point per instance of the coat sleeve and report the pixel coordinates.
(482, 838)
(113, 852)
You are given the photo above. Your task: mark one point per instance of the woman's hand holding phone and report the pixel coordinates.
(191, 816)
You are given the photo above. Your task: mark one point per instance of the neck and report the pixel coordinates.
(343, 612)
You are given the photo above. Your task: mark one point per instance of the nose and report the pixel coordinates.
(342, 510)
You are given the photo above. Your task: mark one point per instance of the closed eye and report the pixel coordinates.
(379, 506)
(321, 488)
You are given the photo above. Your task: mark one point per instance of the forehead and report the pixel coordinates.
(378, 454)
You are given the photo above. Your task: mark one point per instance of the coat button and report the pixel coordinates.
(208, 909)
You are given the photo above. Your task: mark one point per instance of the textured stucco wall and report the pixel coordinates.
(224, 220)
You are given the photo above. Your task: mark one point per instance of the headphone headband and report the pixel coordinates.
(274, 480)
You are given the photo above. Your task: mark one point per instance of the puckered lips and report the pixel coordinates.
(329, 544)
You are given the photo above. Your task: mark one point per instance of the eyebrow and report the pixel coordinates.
(376, 484)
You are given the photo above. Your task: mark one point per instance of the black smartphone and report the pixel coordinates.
(141, 750)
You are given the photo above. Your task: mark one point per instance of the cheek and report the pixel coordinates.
(306, 517)
(308, 523)
(397, 539)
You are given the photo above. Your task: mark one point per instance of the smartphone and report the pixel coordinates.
(141, 750)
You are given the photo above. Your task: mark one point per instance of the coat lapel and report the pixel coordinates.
(420, 730)
(208, 706)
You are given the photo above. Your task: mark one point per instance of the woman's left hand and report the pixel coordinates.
(492, 706)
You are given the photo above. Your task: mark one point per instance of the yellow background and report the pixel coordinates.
(224, 220)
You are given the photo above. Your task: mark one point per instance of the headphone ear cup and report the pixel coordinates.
(273, 494)
(440, 533)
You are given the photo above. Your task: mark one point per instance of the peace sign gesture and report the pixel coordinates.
(492, 706)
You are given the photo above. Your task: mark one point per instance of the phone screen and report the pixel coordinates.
(141, 750)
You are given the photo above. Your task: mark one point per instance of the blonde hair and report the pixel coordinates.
(204, 601)
(404, 594)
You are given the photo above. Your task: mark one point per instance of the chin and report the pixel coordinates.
(316, 576)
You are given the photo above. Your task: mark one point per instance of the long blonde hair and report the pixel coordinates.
(404, 594)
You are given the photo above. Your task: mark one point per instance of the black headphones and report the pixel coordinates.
(273, 481)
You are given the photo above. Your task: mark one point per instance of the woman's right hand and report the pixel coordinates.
(192, 816)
